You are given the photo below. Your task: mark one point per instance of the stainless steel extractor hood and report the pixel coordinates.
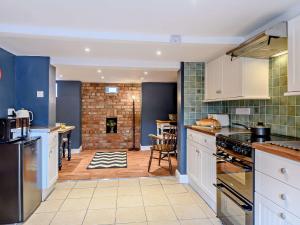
(264, 45)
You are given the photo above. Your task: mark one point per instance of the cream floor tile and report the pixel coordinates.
(155, 199)
(59, 194)
(174, 189)
(129, 182)
(160, 213)
(175, 222)
(129, 190)
(208, 211)
(86, 184)
(215, 221)
(97, 217)
(108, 183)
(105, 202)
(144, 223)
(65, 185)
(145, 181)
(131, 215)
(40, 219)
(181, 199)
(107, 191)
(129, 201)
(168, 180)
(69, 218)
(75, 204)
(196, 222)
(49, 206)
(81, 193)
(152, 189)
(189, 212)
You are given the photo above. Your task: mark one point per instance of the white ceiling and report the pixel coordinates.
(114, 75)
(125, 34)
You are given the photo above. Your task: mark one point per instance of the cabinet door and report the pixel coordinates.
(208, 172)
(268, 213)
(232, 77)
(191, 160)
(294, 55)
(213, 79)
(53, 158)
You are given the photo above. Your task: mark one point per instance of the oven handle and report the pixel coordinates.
(244, 207)
(246, 168)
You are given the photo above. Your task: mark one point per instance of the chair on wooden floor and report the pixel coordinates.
(166, 146)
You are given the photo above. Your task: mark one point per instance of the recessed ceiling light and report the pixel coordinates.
(142, 78)
(61, 76)
(102, 77)
(87, 49)
(145, 73)
(99, 71)
(158, 52)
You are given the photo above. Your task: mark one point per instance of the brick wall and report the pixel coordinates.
(97, 106)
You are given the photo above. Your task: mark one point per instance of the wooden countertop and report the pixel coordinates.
(216, 131)
(65, 129)
(277, 150)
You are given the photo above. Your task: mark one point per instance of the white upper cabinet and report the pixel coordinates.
(294, 56)
(240, 78)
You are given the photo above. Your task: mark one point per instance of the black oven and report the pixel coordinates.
(235, 182)
(233, 209)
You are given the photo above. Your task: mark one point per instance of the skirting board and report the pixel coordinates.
(76, 150)
(145, 147)
(181, 178)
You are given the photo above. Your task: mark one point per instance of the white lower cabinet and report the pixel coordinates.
(48, 159)
(201, 165)
(277, 190)
(268, 213)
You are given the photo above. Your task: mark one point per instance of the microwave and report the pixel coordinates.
(12, 129)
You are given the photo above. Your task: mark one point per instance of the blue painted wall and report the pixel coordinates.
(52, 96)
(68, 107)
(158, 101)
(181, 143)
(32, 75)
(7, 83)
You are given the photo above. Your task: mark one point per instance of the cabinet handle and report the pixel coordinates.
(218, 92)
(283, 170)
(283, 197)
(282, 216)
(205, 140)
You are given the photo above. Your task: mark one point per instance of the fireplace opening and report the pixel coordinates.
(111, 125)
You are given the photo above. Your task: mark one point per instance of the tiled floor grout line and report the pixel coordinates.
(86, 211)
(143, 201)
(171, 205)
(62, 202)
(117, 197)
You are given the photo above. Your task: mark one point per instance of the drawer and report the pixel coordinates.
(203, 139)
(280, 193)
(268, 213)
(285, 170)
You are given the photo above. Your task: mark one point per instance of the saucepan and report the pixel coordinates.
(258, 130)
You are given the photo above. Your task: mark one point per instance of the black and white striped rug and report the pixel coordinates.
(104, 160)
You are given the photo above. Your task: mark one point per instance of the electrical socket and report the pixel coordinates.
(243, 111)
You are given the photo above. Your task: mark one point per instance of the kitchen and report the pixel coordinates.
(238, 110)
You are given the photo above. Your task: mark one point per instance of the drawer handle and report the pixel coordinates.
(282, 216)
(283, 197)
(283, 170)
(205, 140)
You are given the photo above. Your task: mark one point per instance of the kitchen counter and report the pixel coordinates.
(46, 129)
(277, 150)
(214, 132)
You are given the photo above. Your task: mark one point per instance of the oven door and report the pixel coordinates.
(237, 174)
(231, 208)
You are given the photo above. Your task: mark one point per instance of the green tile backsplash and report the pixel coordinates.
(280, 112)
(194, 107)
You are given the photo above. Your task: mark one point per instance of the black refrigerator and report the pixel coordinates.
(20, 193)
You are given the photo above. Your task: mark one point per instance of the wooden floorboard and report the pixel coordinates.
(76, 169)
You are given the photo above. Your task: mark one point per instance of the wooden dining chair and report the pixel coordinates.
(166, 146)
